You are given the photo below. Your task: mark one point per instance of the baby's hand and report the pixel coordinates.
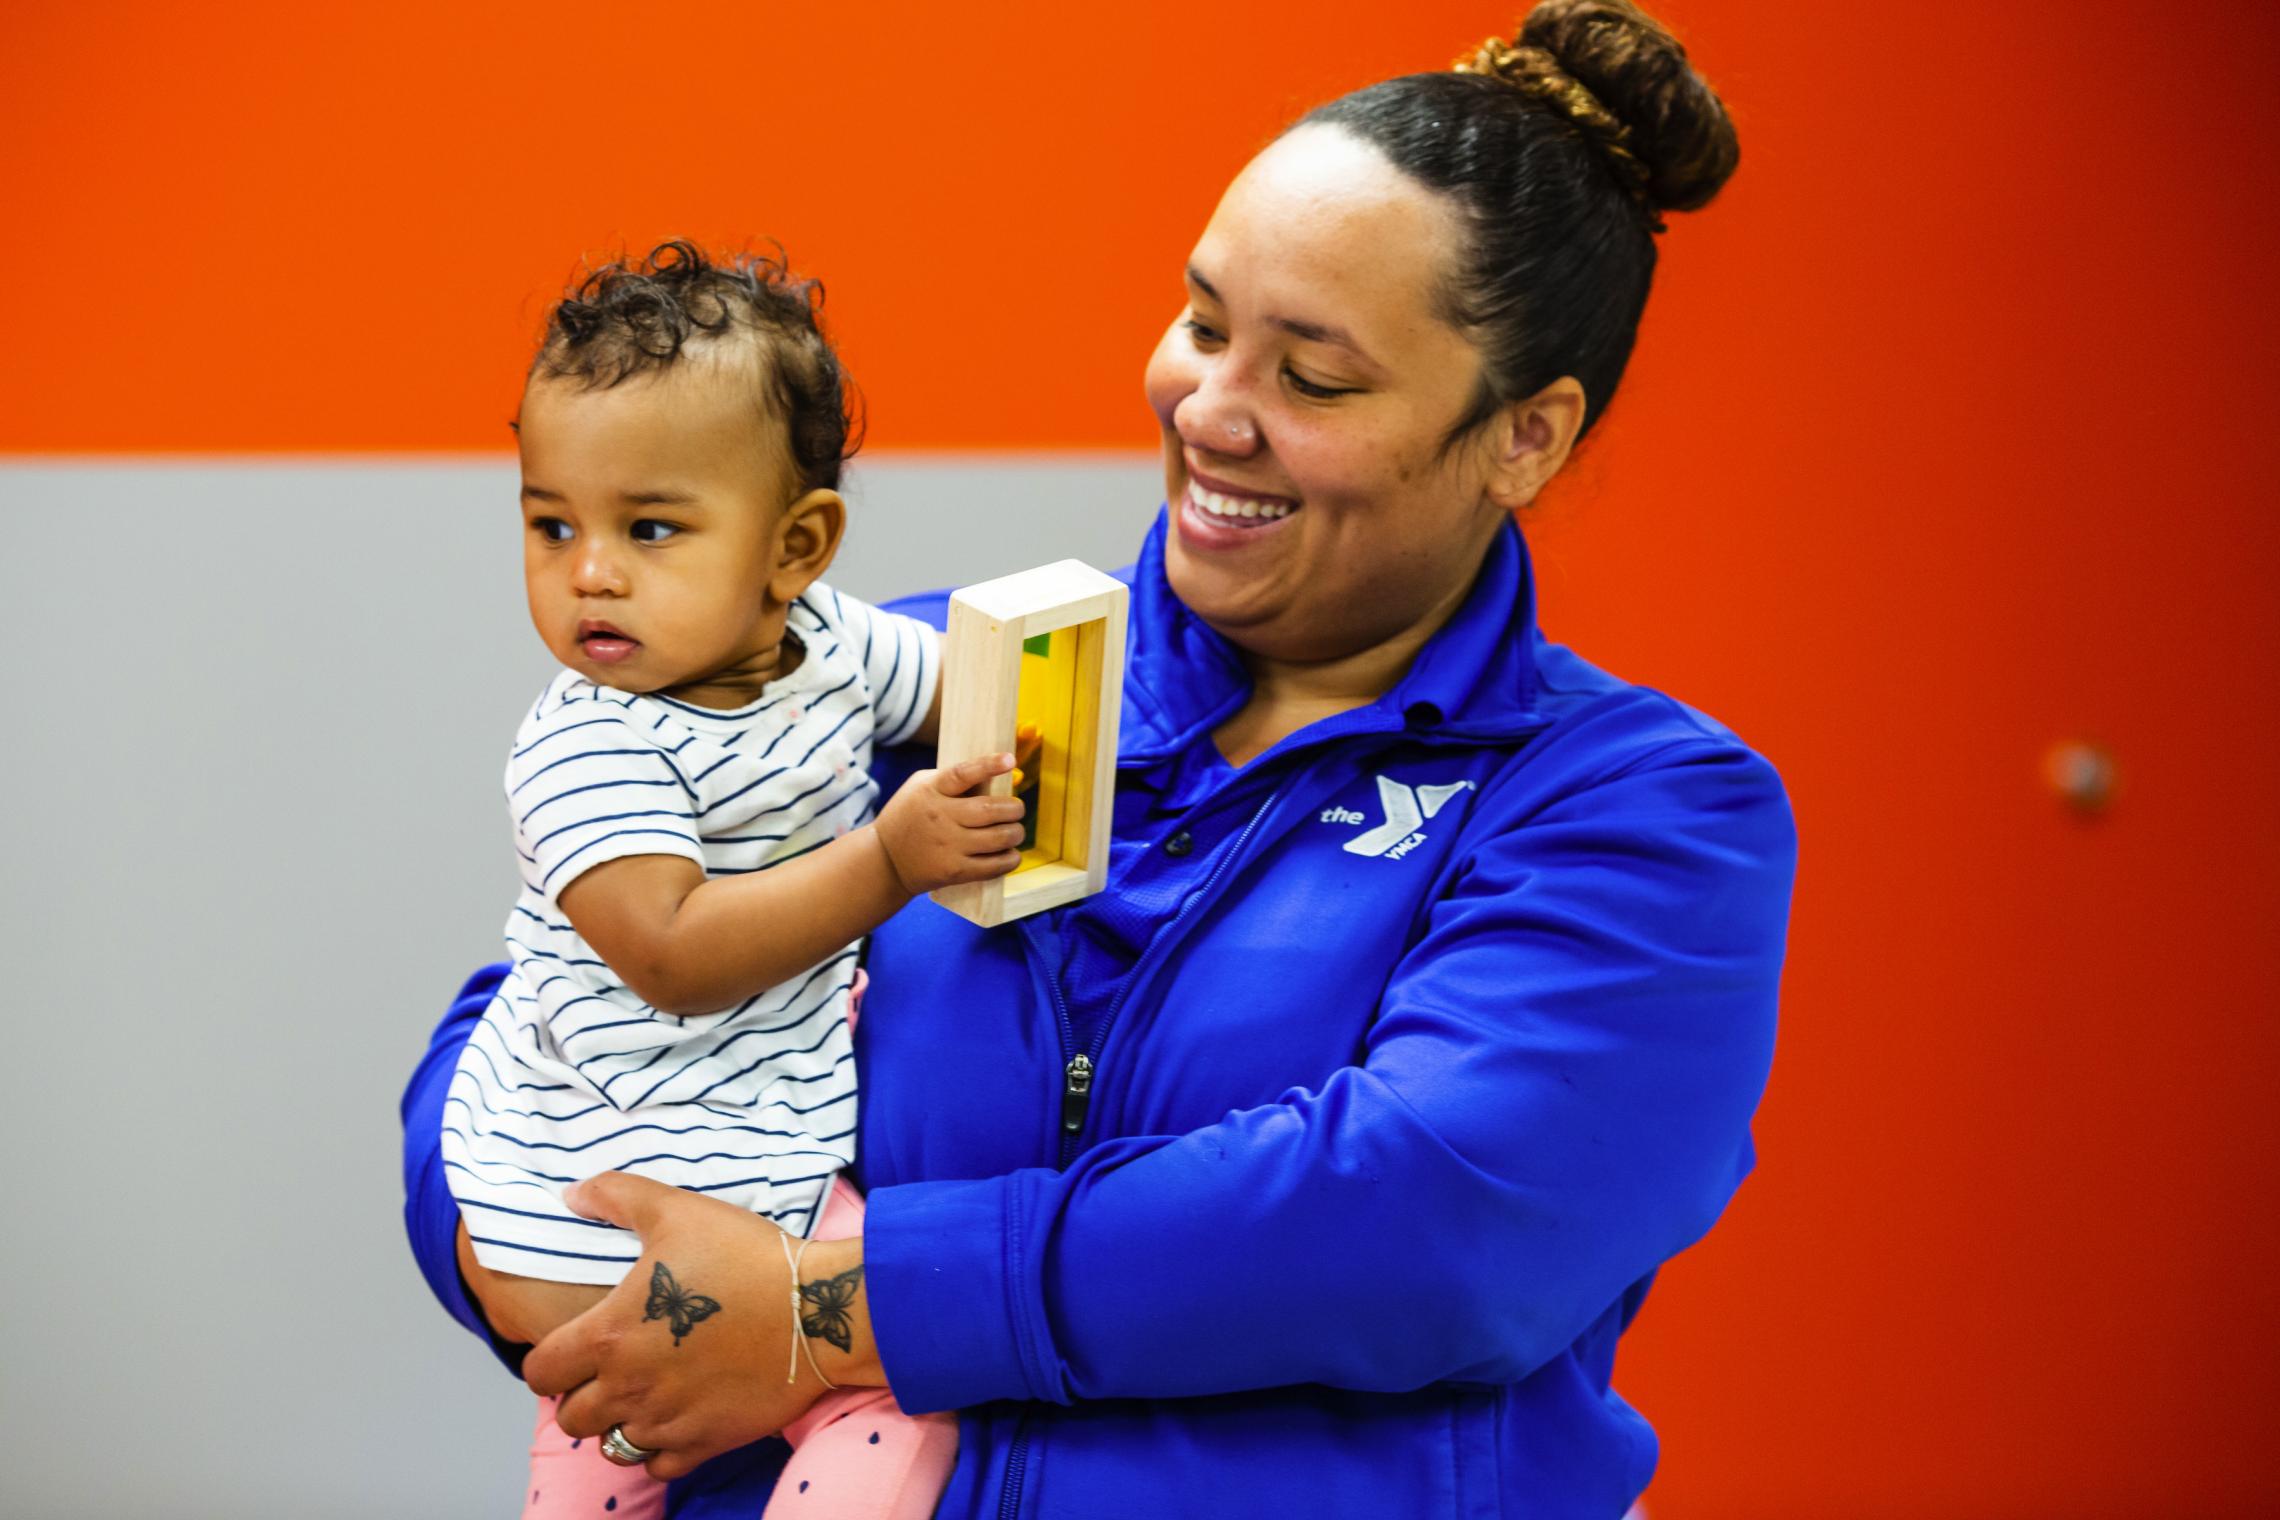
(937, 836)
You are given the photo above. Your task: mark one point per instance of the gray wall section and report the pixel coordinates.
(250, 841)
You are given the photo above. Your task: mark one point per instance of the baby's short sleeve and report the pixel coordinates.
(586, 785)
(900, 657)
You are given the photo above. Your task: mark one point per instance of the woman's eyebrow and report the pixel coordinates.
(1319, 332)
(1310, 332)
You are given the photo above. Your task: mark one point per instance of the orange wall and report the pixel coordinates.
(1948, 439)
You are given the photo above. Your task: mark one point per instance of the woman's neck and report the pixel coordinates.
(1287, 695)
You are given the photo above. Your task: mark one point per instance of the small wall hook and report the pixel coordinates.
(2082, 773)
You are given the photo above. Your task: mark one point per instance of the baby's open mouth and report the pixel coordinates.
(603, 642)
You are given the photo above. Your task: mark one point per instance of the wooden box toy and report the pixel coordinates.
(1043, 647)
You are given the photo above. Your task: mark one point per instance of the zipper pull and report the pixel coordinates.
(1076, 1092)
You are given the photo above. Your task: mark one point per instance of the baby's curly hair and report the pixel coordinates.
(637, 317)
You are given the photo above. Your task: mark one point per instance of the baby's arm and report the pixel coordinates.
(929, 728)
(685, 945)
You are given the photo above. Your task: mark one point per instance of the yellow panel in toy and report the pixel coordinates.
(1047, 702)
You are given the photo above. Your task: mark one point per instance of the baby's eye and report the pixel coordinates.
(1203, 332)
(553, 529)
(649, 530)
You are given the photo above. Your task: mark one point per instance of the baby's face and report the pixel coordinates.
(652, 516)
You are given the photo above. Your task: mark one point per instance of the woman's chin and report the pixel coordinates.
(1232, 604)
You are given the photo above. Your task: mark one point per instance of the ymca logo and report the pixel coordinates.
(1405, 808)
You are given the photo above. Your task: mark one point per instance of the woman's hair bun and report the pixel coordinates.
(1677, 127)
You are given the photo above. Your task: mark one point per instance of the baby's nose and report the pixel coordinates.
(598, 572)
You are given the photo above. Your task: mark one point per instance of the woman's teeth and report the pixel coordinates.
(1238, 506)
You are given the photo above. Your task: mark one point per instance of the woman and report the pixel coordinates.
(1317, 1165)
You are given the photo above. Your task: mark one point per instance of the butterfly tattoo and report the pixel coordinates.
(827, 1302)
(667, 1301)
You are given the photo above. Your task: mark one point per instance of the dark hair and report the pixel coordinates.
(1561, 151)
(631, 318)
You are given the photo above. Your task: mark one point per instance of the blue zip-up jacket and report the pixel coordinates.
(1447, 1035)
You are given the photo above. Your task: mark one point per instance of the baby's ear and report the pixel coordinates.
(807, 537)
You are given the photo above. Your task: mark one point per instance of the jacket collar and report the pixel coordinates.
(1475, 679)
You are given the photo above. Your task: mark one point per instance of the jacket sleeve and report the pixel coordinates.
(1553, 1099)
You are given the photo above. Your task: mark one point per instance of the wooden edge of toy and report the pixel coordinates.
(1100, 714)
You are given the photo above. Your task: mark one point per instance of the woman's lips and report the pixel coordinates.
(1218, 519)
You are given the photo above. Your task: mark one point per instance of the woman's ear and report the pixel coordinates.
(1530, 442)
(807, 536)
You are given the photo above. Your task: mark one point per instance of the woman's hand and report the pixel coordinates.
(689, 1354)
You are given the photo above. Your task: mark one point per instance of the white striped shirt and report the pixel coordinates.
(570, 1073)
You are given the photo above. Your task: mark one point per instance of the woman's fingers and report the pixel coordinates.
(567, 1360)
(588, 1415)
(588, 1409)
(622, 1199)
(593, 1408)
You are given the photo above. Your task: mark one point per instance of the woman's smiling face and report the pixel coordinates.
(1306, 394)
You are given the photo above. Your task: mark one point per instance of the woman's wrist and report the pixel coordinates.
(835, 1313)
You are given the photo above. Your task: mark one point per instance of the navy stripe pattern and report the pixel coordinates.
(570, 1073)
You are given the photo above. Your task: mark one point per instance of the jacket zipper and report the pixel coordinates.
(1076, 1097)
(1083, 1069)
(1076, 1092)
(1016, 1464)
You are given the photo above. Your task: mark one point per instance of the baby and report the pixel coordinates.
(693, 811)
